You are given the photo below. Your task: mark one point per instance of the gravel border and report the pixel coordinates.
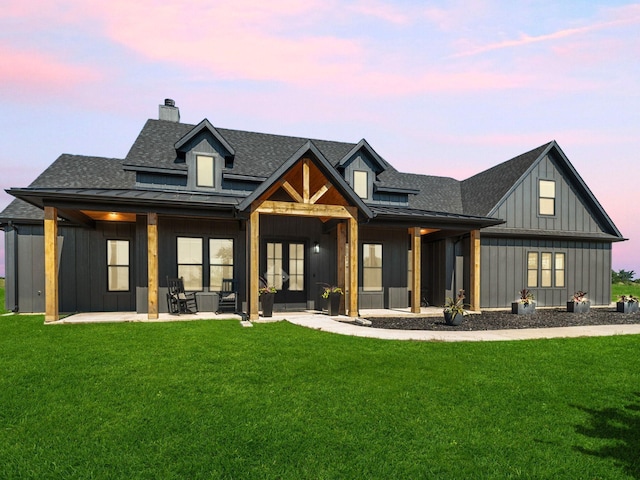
(505, 320)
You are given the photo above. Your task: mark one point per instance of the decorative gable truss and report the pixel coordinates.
(307, 185)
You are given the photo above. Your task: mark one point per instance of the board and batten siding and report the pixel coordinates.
(504, 271)
(520, 209)
(504, 259)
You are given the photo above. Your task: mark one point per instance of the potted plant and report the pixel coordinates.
(526, 304)
(454, 310)
(579, 303)
(333, 295)
(267, 296)
(628, 304)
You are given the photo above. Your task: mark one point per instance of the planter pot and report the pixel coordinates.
(333, 304)
(578, 307)
(627, 307)
(523, 308)
(267, 304)
(453, 319)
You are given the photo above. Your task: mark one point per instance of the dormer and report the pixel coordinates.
(206, 153)
(360, 168)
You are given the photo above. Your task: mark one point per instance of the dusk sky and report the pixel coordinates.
(440, 88)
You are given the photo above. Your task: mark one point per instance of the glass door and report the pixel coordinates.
(283, 266)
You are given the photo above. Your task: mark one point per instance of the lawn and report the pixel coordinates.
(618, 289)
(210, 399)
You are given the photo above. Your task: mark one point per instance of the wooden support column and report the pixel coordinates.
(474, 279)
(353, 266)
(51, 313)
(152, 266)
(253, 244)
(416, 253)
(341, 267)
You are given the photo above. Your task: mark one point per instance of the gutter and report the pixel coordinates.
(11, 225)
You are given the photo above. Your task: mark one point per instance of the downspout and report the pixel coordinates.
(15, 266)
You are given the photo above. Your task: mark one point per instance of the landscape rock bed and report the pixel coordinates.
(504, 320)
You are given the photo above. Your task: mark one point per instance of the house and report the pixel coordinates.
(206, 203)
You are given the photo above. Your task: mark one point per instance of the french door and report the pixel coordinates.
(284, 267)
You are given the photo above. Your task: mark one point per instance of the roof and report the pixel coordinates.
(256, 154)
(482, 192)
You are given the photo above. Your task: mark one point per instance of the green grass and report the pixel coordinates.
(618, 289)
(211, 399)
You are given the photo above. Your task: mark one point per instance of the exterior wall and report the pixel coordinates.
(10, 238)
(504, 271)
(27, 293)
(169, 229)
(445, 268)
(395, 248)
(520, 209)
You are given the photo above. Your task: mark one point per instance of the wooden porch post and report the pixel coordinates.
(474, 279)
(152, 266)
(254, 258)
(342, 254)
(51, 313)
(353, 265)
(415, 267)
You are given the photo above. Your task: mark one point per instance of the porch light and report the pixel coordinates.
(316, 247)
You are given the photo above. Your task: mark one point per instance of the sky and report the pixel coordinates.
(446, 88)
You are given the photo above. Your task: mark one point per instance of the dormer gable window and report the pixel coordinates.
(361, 183)
(205, 171)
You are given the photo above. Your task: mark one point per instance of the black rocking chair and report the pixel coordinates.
(228, 296)
(179, 301)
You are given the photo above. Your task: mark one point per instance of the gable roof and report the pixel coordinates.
(310, 149)
(204, 126)
(481, 193)
(363, 145)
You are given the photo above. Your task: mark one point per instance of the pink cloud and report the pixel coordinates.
(26, 72)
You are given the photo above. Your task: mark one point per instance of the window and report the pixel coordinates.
(204, 171)
(296, 267)
(190, 262)
(118, 265)
(372, 267)
(559, 269)
(547, 269)
(220, 261)
(361, 183)
(410, 271)
(532, 269)
(547, 197)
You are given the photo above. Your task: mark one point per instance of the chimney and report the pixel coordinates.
(169, 111)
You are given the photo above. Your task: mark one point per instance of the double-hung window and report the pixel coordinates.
(118, 265)
(190, 262)
(372, 267)
(547, 197)
(220, 261)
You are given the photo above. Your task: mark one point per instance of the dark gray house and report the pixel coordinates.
(206, 203)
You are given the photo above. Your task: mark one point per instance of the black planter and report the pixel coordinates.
(627, 307)
(267, 304)
(523, 308)
(333, 304)
(578, 307)
(454, 319)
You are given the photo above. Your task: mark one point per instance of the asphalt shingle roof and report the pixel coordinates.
(483, 191)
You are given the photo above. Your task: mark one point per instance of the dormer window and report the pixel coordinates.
(205, 171)
(361, 183)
